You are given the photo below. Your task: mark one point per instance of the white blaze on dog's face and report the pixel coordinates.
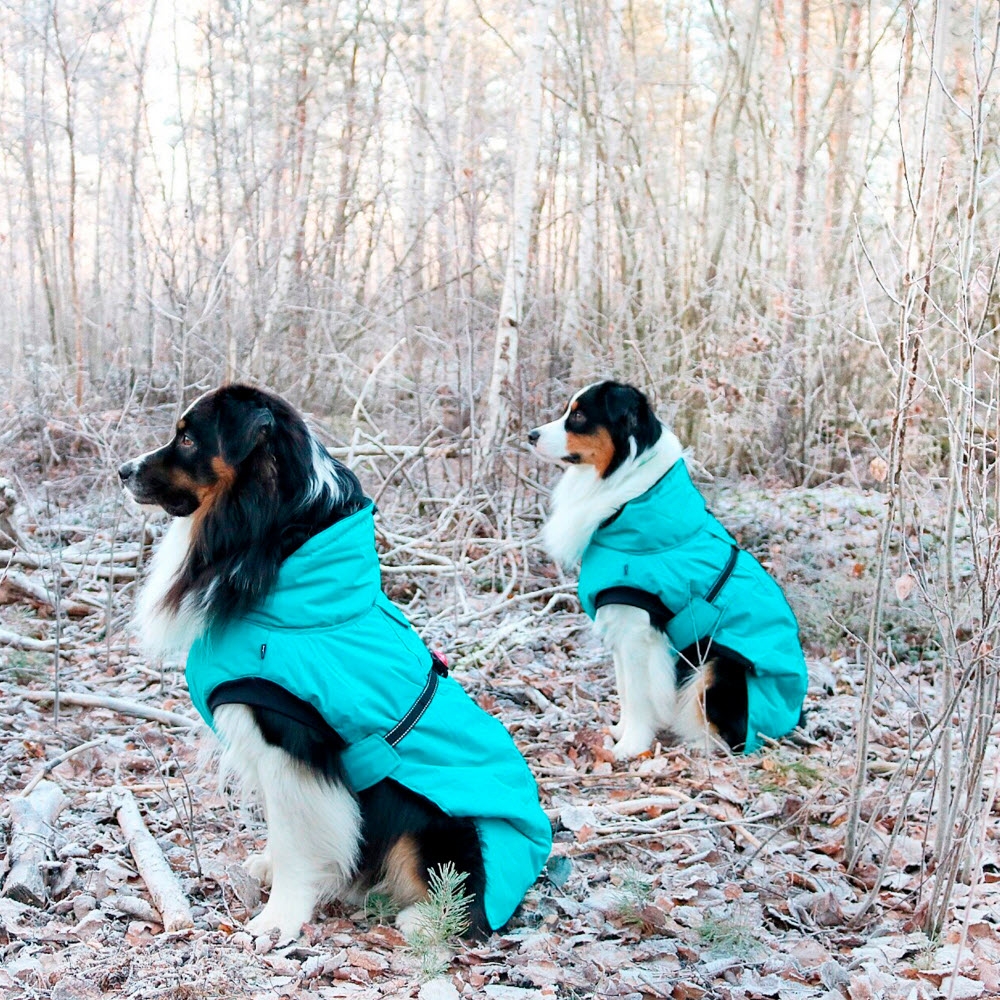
(577, 437)
(602, 426)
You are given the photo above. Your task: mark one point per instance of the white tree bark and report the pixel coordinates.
(497, 417)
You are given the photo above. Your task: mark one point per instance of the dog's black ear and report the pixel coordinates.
(626, 406)
(247, 427)
(629, 410)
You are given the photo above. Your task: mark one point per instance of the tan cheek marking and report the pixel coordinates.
(184, 482)
(404, 876)
(208, 495)
(594, 449)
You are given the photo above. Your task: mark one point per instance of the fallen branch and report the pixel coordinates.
(61, 759)
(39, 593)
(32, 833)
(562, 589)
(667, 797)
(8, 501)
(427, 569)
(161, 881)
(26, 643)
(397, 451)
(102, 568)
(119, 705)
(75, 558)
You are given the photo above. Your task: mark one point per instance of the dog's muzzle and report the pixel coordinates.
(126, 471)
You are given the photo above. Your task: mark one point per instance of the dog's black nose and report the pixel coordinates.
(533, 436)
(125, 472)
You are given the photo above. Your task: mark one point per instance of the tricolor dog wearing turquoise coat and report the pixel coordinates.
(373, 766)
(703, 641)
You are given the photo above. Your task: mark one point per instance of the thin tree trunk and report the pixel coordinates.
(74, 282)
(792, 327)
(498, 403)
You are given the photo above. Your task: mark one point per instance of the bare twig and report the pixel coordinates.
(51, 765)
(119, 705)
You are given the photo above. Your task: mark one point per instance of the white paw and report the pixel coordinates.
(616, 730)
(631, 745)
(408, 921)
(287, 923)
(260, 867)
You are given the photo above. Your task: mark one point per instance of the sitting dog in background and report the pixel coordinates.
(702, 638)
(373, 767)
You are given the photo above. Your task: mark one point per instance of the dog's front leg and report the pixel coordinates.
(621, 685)
(644, 675)
(313, 826)
(313, 840)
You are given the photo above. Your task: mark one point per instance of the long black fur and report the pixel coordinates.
(268, 512)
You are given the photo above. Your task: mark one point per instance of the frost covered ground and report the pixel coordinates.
(685, 874)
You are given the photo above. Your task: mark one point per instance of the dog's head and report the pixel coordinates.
(603, 425)
(253, 484)
(217, 442)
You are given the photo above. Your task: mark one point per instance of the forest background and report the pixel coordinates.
(424, 223)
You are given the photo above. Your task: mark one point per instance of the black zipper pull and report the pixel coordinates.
(263, 649)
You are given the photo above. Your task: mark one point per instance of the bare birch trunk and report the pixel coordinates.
(792, 326)
(69, 120)
(281, 325)
(498, 411)
(416, 209)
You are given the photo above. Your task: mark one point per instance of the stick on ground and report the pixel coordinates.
(119, 705)
(32, 834)
(664, 799)
(164, 886)
(26, 642)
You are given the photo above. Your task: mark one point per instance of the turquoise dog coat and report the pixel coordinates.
(329, 636)
(666, 545)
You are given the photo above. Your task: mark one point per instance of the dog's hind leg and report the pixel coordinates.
(644, 671)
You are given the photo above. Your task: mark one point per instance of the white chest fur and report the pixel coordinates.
(160, 630)
(582, 499)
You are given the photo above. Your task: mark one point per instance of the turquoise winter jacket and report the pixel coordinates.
(666, 544)
(329, 636)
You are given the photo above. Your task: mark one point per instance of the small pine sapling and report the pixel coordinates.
(440, 920)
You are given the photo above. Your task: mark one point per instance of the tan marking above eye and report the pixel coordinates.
(181, 424)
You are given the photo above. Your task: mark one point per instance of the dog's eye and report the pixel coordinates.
(186, 441)
(576, 419)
